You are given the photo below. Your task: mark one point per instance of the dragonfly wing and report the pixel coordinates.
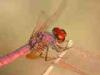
(41, 18)
(42, 25)
(54, 16)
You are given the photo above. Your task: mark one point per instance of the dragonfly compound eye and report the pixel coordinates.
(60, 34)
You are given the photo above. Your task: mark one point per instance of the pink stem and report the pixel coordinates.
(7, 59)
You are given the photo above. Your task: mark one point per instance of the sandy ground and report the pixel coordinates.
(81, 19)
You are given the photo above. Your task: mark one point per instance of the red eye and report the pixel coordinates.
(56, 30)
(59, 33)
(63, 32)
(61, 37)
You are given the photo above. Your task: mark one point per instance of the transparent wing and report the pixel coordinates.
(40, 20)
(42, 25)
(54, 16)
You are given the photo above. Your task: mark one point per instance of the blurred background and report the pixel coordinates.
(80, 19)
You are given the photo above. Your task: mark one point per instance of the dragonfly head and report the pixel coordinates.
(59, 34)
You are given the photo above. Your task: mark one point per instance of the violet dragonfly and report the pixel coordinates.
(40, 39)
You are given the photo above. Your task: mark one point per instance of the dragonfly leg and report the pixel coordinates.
(41, 54)
(46, 56)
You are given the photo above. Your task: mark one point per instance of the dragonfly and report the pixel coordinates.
(43, 40)
(40, 39)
